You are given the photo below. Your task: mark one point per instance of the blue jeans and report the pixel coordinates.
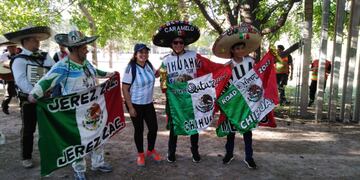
(229, 146)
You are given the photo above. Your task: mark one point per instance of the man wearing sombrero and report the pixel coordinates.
(5, 72)
(181, 65)
(73, 74)
(235, 44)
(26, 68)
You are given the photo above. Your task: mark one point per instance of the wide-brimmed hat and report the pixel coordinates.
(244, 32)
(40, 32)
(173, 29)
(5, 42)
(74, 39)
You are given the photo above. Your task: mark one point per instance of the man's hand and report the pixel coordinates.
(31, 98)
(109, 74)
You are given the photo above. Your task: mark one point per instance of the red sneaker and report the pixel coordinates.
(141, 159)
(156, 156)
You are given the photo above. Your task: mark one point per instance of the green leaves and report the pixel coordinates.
(16, 14)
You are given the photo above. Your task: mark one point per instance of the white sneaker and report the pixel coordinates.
(27, 163)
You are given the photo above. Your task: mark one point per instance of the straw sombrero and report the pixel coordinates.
(5, 42)
(74, 39)
(241, 33)
(173, 29)
(41, 32)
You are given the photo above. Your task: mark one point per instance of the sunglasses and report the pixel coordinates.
(178, 42)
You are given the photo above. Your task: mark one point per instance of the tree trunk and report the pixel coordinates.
(111, 48)
(322, 60)
(335, 60)
(356, 112)
(93, 31)
(307, 35)
(345, 111)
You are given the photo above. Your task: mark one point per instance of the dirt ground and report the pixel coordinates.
(296, 149)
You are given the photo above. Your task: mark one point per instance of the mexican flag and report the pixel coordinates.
(74, 125)
(250, 99)
(192, 103)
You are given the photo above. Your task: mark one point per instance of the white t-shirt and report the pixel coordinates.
(240, 69)
(19, 68)
(141, 91)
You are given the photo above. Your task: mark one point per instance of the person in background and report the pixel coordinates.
(29, 60)
(314, 77)
(60, 55)
(284, 67)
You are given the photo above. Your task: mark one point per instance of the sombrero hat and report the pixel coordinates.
(173, 29)
(73, 39)
(41, 32)
(5, 42)
(244, 32)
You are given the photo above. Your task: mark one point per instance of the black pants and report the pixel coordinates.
(194, 139)
(28, 116)
(147, 113)
(282, 82)
(11, 93)
(313, 88)
(229, 146)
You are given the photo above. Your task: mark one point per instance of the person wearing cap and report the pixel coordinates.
(74, 74)
(60, 55)
(236, 43)
(181, 65)
(30, 60)
(138, 87)
(5, 58)
(284, 67)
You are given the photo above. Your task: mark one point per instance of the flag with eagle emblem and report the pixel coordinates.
(250, 99)
(192, 103)
(74, 125)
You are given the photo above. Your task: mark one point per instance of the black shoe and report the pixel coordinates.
(5, 107)
(196, 158)
(311, 102)
(6, 111)
(250, 163)
(171, 157)
(228, 158)
(195, 155)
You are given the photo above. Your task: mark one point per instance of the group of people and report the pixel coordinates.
(37, 75)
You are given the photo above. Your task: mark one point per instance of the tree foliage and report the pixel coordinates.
(16, 14)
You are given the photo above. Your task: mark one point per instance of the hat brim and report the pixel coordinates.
(171, 30)
(40, 32)
(8, 44)
(244, 33)
(63, 39)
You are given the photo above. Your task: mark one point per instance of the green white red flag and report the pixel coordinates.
(192, 103)
(74, 125)
(250, 99)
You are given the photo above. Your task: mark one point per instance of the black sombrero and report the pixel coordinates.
(244, 32)
(73, 39)
(41, 32)
(173, 29)
(5, 42)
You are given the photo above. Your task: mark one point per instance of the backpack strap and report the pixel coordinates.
(133, 71)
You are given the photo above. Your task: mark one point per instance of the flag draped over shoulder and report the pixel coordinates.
(192, 103)
(74, 125)
(249, 99)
